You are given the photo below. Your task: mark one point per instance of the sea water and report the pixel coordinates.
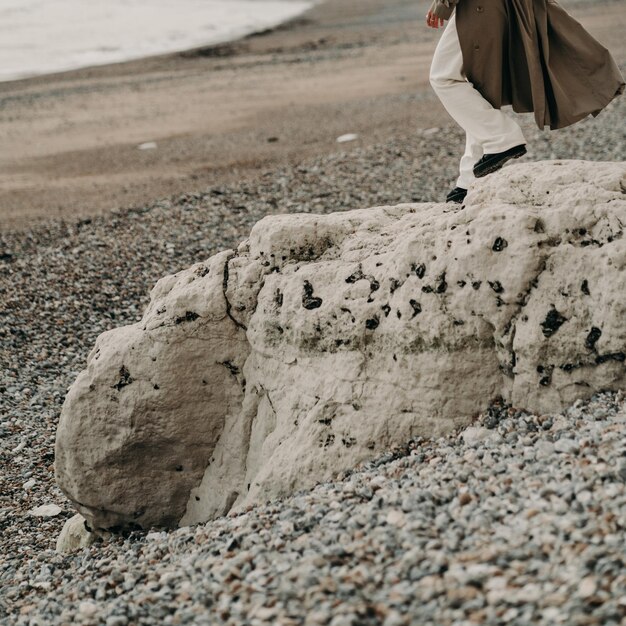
(44, 36)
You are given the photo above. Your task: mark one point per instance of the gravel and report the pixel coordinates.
(523, 525)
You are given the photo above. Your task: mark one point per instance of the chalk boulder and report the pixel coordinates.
(323, 340)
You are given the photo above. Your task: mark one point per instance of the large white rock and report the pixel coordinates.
(324, 339)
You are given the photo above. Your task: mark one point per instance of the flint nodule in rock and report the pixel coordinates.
(323, 340)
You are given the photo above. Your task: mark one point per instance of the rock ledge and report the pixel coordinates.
(323, 340)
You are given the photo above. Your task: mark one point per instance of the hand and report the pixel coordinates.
(433, 21)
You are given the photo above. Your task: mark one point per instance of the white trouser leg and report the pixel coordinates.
(489, 128)
(473, 152)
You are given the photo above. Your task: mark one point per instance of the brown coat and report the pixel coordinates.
(533, 55)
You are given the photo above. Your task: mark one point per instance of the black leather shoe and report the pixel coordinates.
(489, 163)
(456, 195)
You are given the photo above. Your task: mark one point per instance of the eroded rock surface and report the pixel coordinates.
(325, 339)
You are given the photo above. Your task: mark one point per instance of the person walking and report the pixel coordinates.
(530, 54)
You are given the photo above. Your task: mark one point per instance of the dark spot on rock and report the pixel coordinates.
(125, 378)
(420, 270)
(201, 271)
(231, 367)
(327, 421)
(546, 379)
(594, 334)
(582, 231)
(339, 342)
(374, 284)
(398, 313)
(499, 244)
(204, 382)
(309, 301)
(427, 289)
(179, 468)
(372, 322)
(348, 442)
(442, 285)
(612, 356)
(584, 287)
(278, 297)
(197, 498)
(568, 367)
(395, 283)
(155, 386)
(476, 284)
(416, 306)
(189, 316)
(499, 301)
(386, 308)
(458, 322)
(357, 275)
(554, 320)
(161, 310)
(328, 441)
(461, 283)
(496, 285)
(539, 227)
(395, 358)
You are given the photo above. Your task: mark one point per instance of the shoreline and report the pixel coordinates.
(110, 54)
(225, 112)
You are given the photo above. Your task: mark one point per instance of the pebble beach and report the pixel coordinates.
(520, 519)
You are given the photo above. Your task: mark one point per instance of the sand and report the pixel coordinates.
(70, 141)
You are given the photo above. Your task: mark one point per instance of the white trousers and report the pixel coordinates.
(487, 130)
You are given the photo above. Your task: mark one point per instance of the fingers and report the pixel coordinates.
(433, 21)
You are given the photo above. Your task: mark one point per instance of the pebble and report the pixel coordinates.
(46, 510)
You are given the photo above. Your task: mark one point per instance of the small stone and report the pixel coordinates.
(473, 435)
(396, 518)
(566, 446)
(74, 536)
(46, 510)
(347, 137)
(587, 587)
(87, 609)
(464, 498)
(544, 449)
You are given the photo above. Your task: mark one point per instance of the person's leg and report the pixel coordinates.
(491, 128)
(473, 152)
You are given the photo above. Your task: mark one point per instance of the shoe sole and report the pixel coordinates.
(457, 199)
(496, 166)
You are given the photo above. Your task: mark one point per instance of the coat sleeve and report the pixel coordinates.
(443, 8)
